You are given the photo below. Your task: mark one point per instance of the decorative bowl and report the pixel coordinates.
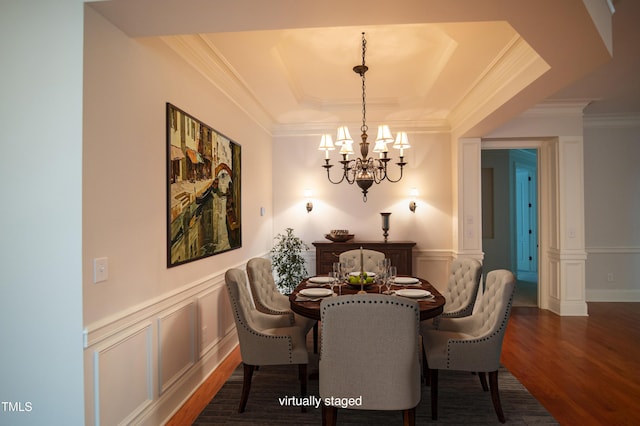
(340, 238)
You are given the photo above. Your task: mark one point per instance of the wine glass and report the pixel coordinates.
(332, 281)
(391, 276)
(381, 273)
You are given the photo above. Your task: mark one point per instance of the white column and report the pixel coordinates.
(566, 240)
(467, 220)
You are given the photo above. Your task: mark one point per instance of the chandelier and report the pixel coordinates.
(364, 170)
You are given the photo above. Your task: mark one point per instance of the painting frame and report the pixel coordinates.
(203, 181)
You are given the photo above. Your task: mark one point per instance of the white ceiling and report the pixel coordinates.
(464, 66)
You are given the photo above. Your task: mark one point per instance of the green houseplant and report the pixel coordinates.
(287, 261)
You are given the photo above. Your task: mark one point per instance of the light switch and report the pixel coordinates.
(100, 269)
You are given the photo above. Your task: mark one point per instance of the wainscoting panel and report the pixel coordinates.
(142, 364)
(123, 377)
(176, 344)
(613, 274)
(433, 265)
(215, 318)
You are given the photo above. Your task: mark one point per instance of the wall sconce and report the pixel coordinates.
(413, 193)
(307, 195)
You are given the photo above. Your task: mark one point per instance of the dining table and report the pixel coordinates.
(309, 306)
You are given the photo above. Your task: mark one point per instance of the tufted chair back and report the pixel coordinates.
(266, 295)
(473, 343)
(354, 363)
(264, 339)
(370, 258)
(462, 288)
(495, 306)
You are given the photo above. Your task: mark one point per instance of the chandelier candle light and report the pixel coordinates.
(365, 171)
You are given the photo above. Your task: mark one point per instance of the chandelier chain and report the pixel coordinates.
(364, 126)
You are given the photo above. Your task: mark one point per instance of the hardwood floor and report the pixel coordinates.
(584, 370)
(187, 414)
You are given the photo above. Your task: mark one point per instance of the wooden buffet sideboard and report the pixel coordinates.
(400, 253)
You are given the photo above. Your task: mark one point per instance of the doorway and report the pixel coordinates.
(510, 214)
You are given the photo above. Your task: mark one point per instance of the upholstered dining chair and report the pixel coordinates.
(355, 364)
(265, 339)
(460, 295)
(473, 343)
(370, 258)
(268, 299)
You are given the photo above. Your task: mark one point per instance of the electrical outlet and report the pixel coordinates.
(610, 277)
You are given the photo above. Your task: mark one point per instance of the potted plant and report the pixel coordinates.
(287, 261)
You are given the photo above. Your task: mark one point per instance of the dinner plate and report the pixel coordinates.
(406, 280)
(316, 292)
(357, 274)
(320, 280)
(414, 293)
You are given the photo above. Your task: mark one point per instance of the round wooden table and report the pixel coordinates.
(311, 308)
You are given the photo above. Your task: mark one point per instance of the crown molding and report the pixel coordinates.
(514, 68)
(317, 129)
(558, 108)
(612, 120)
(206, 59)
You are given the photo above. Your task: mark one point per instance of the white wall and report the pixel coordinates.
(297, 165)
(40, 213)
(153, 332)
(612, 208)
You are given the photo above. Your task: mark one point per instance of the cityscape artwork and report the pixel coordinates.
(203, 190)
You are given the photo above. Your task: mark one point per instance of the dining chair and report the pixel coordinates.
(265, 339)
(473, 343)
(353, 362)
(370, 259)
(460, 295)
(268, 299)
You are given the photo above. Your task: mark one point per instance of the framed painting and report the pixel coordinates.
(203, 190)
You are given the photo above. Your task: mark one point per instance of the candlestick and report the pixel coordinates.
(385, 225)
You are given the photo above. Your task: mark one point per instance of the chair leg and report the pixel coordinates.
(329, 415)
(315, 338)
(246, 386)
(495, 395)
(409, 417)
(483, 381)
(425, 367)
(302, 376)
(434, 394)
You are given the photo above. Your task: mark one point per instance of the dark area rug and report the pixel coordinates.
(461, 402)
